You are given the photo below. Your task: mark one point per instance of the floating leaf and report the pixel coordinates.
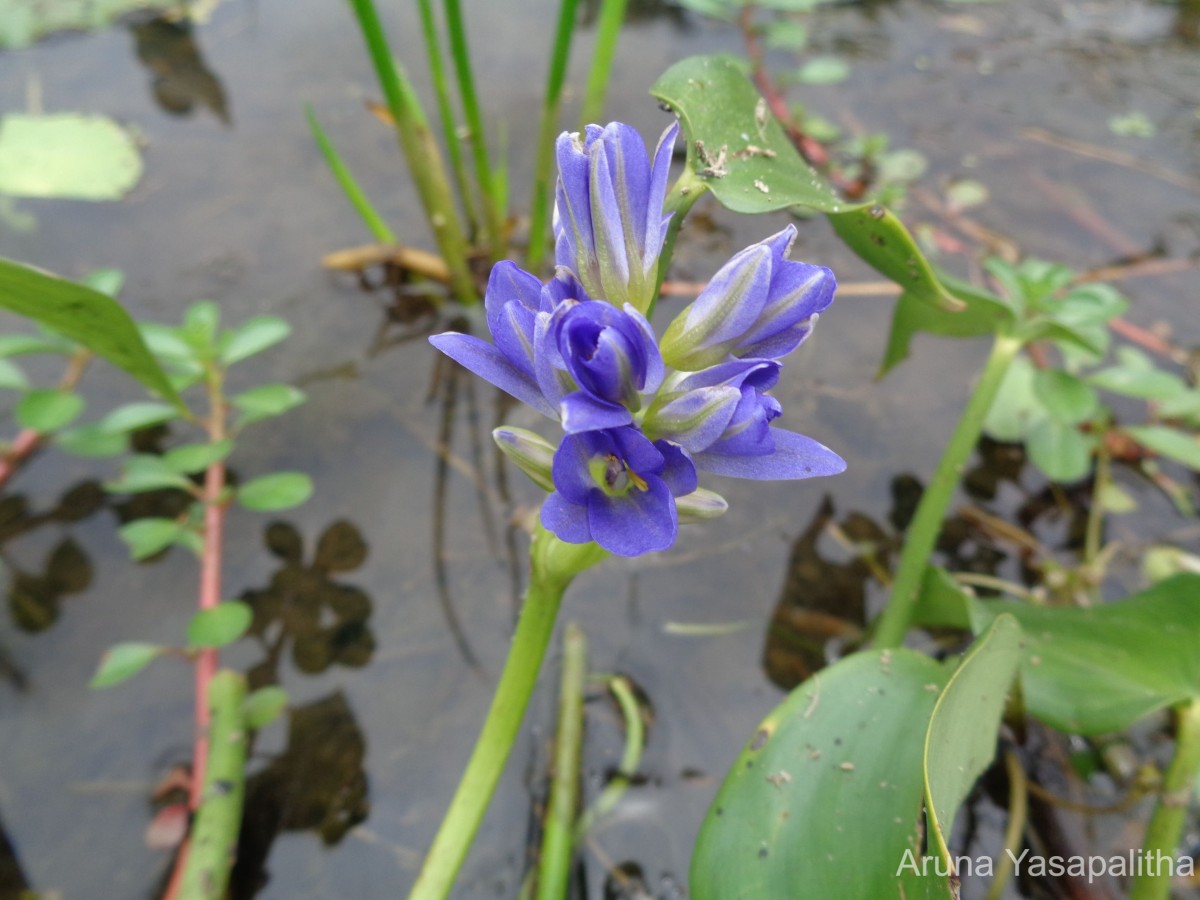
(122, 661)
(762, 171)
(67, 156)
(196, 457)
(220, 625)
(253, 337)
(271, 493)
(48, 409)
(263, 707)
(85, 316)
(961, 740)
(824, 800)
(1100, 669)
(23, 22)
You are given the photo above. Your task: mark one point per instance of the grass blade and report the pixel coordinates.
(543, 188)
(345, 179)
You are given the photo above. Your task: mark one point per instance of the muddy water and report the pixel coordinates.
(236, 205)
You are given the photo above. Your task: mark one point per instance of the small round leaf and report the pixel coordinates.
(263, 707)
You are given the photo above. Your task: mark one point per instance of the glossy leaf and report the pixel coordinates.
(264, 706)
(122, 661)
(48, 409)
(271, 493)
(146, 537)
(961, 740)
(219, 626)
(196, 457)
(1069, 399)
(1061, 451)
(1169, 442)
(1099, 669)
(824, 800)
(753, 168)
(85, 316)
(253, 337)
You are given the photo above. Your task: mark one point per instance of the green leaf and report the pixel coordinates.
(1061, 451)
(166, 342)
(1067, 398)
(786, 34)
(824, 800)
(48, 409)
(11, 376)
(1161, 562)
(91, 440)
(122, 661)
(1099, 669)
(717, 107)
(1131, 124)
(67, 156)
(961, 739)
(266, 401)
(219, 626)
(824, 70)
(85, 316)
(135, 416)
(1145, 384)
(1169, 442)
(942, 602)
(106, 281)
(984, 314)
(22, 22)
(145, 472)
(22, 344)
(263, 707)
(270, 493)
(146, 537)
(199, 330)
(196, 457)
(253, 337)
(1016, 409)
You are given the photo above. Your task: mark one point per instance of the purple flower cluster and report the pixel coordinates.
(642, 417)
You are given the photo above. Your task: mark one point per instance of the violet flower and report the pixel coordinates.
(618, 489)
(609, 224)
(759, 305)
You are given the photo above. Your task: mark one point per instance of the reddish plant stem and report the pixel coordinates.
(29, 439)
(812, 150)
(210, 596)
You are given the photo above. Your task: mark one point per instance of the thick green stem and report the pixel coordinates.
(212, 844)
(539, 203)
(612, 14)
(1166, 822)
(420, 150)
(558, 837)
(554, 565)
(919, 544)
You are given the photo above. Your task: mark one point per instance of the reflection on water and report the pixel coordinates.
(180, 79)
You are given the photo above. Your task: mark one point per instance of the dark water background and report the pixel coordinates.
(240, 211)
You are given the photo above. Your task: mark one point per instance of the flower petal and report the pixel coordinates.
(795, 456)
(486, 361)
(636, 523)
(678, 472)
(568, 521)
(581, 411)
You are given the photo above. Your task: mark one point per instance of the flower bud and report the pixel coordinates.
(532, 453)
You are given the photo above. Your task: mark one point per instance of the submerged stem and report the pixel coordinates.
(893, 622)
(1153, 882)
(554, 565)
